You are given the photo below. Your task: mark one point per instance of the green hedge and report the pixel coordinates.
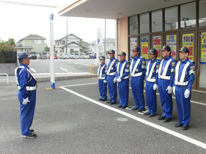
(8, 57)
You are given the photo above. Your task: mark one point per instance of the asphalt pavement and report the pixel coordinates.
(71, 120)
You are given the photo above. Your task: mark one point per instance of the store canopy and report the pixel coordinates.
(115, 9)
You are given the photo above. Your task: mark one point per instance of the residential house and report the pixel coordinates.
(31, 43)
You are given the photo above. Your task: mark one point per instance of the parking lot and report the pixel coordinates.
(70, 119)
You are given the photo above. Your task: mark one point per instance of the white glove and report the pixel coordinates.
(174, 90)
(105, 81)
(169, 89)
(25, 101)
(115, 80)
(119, 80)
(187, 93)
(155, 87)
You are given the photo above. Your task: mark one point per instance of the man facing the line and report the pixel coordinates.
(122, 76)
(184, 77)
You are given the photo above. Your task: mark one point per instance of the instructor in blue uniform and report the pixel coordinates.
(152, 83)
(26, 95)
(137, 71)
(111, 78)
(122, 76)
(101, 79)
(165, 83)
(184, 77)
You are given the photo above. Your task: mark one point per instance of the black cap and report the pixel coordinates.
(122, 54)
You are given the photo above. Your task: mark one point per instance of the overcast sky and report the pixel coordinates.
(18, 21)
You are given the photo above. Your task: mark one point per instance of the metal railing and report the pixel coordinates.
(7, 76)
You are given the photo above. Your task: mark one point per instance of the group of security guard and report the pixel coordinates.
(165, 75)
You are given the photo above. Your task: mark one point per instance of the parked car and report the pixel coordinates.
(43, 55)
(92, 56)
(82, 55)
(74, 56)
(65, 56)
(60, 56)
(55, 56)
(86, 56)
(33, 55)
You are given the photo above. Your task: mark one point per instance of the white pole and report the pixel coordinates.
(52, 52)
(105, 38)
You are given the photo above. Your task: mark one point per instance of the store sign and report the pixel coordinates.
(133, 43)
(172, 41)
(203, 48)
(188, 41)
(157, 45)
(145, 47)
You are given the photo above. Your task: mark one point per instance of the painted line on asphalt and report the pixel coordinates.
(163, 129)
(80, 84)
(33, 70)
(63, 69)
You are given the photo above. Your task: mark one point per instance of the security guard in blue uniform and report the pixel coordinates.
(101, 79)
(26, 95)
(122, 76)
(165, 82)
(184, 77)
(137, 71)
(111, 79)
(151, 83)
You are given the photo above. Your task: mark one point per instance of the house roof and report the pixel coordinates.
(70, 44)
(68, 35)
(33, 37)
(108, 40)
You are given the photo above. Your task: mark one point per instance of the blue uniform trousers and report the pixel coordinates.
(166, 99)
(102, 89)
(27, 111)
(137, 84)
(183, 105)
(123, 88)
(112, 88)
(151, 98)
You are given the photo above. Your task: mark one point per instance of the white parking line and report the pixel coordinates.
(33, 70)
(63, 69)
(163, 129)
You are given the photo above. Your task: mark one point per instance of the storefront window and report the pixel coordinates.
(157, 21)
(188, 41)
(171, 20)
(188, 15)
(171, 40)
(133, 25)
(156, 42)
(202, 13)
(133, 43)
(144, 23)
(144, 42)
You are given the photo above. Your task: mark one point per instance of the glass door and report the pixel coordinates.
(201, 64)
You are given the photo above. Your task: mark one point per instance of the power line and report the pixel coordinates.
(30, 4)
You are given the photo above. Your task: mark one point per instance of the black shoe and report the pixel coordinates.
(119, 106)
(161, 118)
(152, 115)
(141, 110)
(167, 119)
(109, 102)
(112, 103)
(124, 107)
(32, 135)
(178, 125)
(100, 99)
(147, 113)
(103, 100)
(32, 130)
(185, 127)
(135, 108)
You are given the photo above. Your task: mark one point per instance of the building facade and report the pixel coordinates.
(31, 43)
(154, 24)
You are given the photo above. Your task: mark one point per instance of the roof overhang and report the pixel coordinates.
(115, 9)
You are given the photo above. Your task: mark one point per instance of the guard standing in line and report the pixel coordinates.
(165, 83)
(101, 79)
(26, 95)
(122, 76)
(184, 77)
(151, 83)
(137, 71)
(111, 79)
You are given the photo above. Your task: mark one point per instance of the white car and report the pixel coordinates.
(86, 56)
(82, 55)
(65, 56)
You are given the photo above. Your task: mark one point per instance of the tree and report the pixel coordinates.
(11, 41)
